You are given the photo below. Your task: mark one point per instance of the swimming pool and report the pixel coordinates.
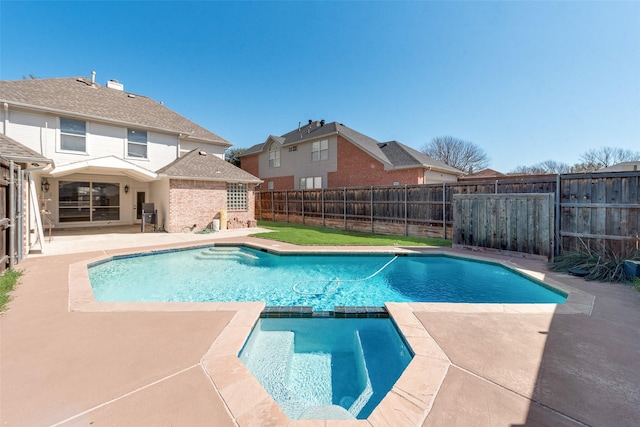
(221, 273)
(319, 368)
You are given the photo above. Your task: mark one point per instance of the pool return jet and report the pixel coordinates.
(337, 281)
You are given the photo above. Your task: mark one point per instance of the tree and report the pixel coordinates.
(591, 161)
(608, 156)
(232, 155)
(460, 154)
(546, 167)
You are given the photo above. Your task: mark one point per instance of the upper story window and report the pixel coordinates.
(137, 143)
(236, 196)
(320, 150)
(274, 156)
(73, 135)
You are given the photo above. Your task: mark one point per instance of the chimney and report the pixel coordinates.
(93, 78)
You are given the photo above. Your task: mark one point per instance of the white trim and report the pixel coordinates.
(109, 165)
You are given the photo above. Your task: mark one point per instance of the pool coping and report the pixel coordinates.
(412, 396)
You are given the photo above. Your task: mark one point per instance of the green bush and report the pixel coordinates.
(607, 267)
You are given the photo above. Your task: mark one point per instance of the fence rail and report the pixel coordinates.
(599, 210)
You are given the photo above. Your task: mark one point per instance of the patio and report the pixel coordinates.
(72, 362)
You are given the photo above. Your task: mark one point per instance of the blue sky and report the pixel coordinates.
(526, 81)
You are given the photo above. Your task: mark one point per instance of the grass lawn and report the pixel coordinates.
(7, 282)
(299, 234)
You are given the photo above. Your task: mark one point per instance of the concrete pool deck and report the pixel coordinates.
(73, 363)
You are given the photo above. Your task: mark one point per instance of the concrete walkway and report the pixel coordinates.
(503, 366)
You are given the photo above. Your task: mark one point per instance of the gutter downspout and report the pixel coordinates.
(6, 118)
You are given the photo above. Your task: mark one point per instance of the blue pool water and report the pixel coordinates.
(326, 368)
(320, 281)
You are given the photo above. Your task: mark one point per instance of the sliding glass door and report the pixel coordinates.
(87, 201)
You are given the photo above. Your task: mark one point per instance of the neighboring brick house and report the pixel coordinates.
(325, 155)
(109, 151)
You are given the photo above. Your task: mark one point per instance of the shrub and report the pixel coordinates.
(606, 267)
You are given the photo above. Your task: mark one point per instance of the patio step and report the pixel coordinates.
(225, 253)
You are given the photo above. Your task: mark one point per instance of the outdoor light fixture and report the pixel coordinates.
(126, 189)
(45, 185)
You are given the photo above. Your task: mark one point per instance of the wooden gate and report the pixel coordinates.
(517, 222)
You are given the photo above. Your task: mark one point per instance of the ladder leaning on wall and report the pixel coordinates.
(36, 214)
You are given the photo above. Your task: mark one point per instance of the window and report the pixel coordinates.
(236, 197)
(137, 143)
(88, 201)
(310, 183)
(274, 156)
(320, 150)
(73, 135)
(270, 185)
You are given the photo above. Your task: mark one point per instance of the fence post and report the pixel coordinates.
(302, 203)
(12, 216)
(322, 205)
(344, 206)
(371, 189)
(286, 205)
(258, 199)
(273, 209)
(406, 225)
(20, 213)
(496, 187)
(556, 232)
(444, 210)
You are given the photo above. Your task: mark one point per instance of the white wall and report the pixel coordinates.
(159, 195)
(40, 132)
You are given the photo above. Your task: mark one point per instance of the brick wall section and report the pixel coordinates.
(251, 164)
(193, 202)
(357, 168)
(279, 183)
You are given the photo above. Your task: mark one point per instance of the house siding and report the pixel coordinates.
(41, 133)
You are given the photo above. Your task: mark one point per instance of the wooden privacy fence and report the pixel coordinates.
(514, 222)
(8, 230)
(599, 210)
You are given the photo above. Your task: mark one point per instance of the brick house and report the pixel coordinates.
(325, 155)
(101, 152)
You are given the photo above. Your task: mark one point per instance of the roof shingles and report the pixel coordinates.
(77, 96)
(198, 164)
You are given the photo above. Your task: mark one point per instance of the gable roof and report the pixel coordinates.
(11, 149)
(197, 164)
(79, 97)
(403, 157)
(314, 130)
(392, 154)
